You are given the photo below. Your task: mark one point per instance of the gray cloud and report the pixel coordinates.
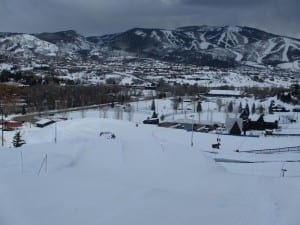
(95, 17)
(223, 3)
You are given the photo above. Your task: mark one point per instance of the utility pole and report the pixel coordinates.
(2, 129)
(55, 137)
(192, 137)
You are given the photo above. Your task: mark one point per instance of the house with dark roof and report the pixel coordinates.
(262, 122)
(44, 122)
(234, 126)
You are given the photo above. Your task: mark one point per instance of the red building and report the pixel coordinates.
(12, 125)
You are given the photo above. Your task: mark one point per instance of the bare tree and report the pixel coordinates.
(219, 104)
(105, 112)
(82, 113)
(118, 113)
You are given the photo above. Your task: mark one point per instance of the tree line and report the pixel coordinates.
(51, 96)
(39, 98)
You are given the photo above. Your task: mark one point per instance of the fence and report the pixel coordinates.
(274, 150)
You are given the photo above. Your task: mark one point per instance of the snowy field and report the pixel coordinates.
(146, 175)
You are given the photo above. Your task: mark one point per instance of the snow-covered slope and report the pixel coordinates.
(156, 40)
(27, 45)
(276, 50)
(225, 37)
(44, 44)
(146, 175)
(68, 41)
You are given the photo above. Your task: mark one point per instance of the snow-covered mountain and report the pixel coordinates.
(225, 37)
(202, 45)
(26, 45)
(274, 50)
(208, 45)
(69, 40)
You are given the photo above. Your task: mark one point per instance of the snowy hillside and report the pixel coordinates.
(275, 50)
(68, 41)
(27, 45)
(145, 175)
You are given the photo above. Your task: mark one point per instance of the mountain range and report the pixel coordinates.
(225, 46)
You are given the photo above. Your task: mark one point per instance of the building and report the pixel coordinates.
(262, 122)
(44, 122)
(151, 121)
(234, 126)
(12, 125)
(224, 93)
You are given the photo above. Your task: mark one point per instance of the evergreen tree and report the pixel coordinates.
(121, 99)
(153, 105)
(219, 104)
(230, 107)
(23, 110)
(17, 140)
(154, 115)
(175, 104)
(272, 103)
(240, 107)
(247, 110)
(253, 109)
(199, 107)
(295, 88)
(270, 109)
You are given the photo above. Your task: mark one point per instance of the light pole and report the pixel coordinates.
(207, 112)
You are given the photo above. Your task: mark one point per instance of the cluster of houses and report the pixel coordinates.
(261, 122)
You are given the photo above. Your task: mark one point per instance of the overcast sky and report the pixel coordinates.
(98, 17)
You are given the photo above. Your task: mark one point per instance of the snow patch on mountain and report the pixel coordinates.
(294, 66)
(5, 66)
(233, 29)
(155, 36)
(71, 48)
(140, 33)
(288, 44)
(204, 45)
(238, 57)
(268, 49)
(278, 48)
(172, 40)
(286, 48)
(253, 64)
(227, 37)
